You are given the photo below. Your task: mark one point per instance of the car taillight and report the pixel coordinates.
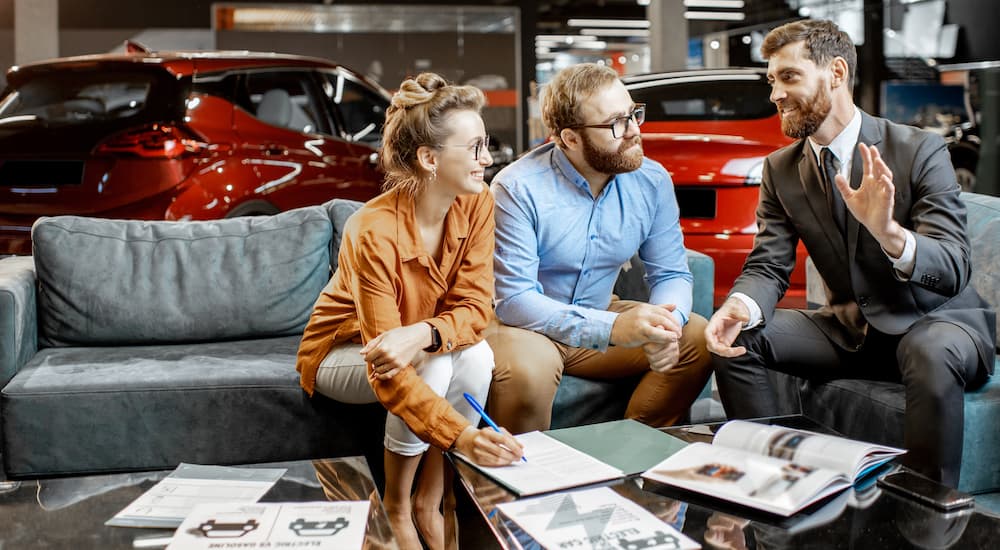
(153, 141)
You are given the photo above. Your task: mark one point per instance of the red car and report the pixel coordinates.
(182, 136)
(711, 129)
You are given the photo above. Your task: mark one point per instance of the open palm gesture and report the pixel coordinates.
(872, 202)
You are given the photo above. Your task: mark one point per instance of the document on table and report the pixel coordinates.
(592, 518)
(319, 525)
(167, 503)
(551, 465)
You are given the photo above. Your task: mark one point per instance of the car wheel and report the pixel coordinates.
(253, 208)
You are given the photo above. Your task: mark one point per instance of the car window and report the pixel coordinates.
(287, 99)
(704, 99)
(69, 97)
(361, 111)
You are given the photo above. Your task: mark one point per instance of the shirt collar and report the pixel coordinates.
(456, 227)
(843, 145)
(564, 166)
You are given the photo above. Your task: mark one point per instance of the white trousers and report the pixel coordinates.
(343, 376)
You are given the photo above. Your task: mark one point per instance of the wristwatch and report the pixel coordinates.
(435, 340)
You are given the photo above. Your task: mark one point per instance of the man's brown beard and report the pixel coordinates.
(811, 114)
(615, 162)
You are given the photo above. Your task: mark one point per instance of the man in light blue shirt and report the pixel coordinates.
(569, 215)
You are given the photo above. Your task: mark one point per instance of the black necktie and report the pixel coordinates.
(830, 166)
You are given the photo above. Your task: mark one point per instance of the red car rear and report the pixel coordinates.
(711, 129)
(181, 136)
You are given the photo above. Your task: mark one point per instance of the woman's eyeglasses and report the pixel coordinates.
(619, 125)
(477, 148)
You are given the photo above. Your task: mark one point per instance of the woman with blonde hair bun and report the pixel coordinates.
(402, 319)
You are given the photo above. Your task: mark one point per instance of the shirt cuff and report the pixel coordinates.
(597, 333)
(755, 315)
(904, 264)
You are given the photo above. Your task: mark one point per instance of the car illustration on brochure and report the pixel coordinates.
(213, 529)
(304, 528)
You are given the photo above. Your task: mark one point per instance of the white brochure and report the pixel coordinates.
(270, 525)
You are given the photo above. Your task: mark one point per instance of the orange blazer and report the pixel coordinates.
(385, 280)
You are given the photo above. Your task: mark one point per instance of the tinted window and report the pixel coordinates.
(284, 98)
(704, 99)
(361, 110)
(69, 97)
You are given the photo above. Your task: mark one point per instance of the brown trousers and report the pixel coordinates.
(529, 367)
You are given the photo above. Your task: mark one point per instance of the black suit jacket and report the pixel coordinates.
(861, 285)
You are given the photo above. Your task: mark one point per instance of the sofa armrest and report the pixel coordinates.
(18, 315)
(631, 283)
(703, 294)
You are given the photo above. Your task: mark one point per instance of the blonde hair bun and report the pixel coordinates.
(418, 91)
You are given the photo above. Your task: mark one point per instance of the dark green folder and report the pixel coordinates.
(628, 445)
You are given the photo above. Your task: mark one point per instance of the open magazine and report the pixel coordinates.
(776, 469)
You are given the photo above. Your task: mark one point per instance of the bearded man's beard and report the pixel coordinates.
(626, 159)
(807, 116)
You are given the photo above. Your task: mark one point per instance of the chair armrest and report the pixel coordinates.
(18, 315)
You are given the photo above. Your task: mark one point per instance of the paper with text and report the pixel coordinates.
(593, 518)
(271, 525)
(168, 502)
(551, 465)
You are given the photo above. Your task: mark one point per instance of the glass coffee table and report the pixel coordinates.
(864, 518)
(70, 512)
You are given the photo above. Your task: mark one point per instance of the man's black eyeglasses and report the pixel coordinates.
(619, 125)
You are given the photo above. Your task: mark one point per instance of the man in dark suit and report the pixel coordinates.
(877, 206)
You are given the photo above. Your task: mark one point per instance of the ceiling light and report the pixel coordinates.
(730, 4)
(616, 32)
(568, 38)
(714, 15)
(609, 23)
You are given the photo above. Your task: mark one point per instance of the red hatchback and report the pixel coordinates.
(182, 136)
(711, 129)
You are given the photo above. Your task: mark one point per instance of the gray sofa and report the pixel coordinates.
(873, 411)
(130, 345)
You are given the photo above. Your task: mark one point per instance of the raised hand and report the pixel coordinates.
(873, 201)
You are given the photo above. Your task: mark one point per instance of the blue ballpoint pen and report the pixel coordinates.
(486, 418)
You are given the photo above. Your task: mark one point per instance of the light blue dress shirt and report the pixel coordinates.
(559, 250)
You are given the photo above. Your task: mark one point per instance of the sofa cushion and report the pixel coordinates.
(983, 228)
(100, 409)
(178, 281)
(339, 211)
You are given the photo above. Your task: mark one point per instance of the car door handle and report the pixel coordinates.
(275, 150)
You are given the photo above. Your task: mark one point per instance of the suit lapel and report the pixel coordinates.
(815, 196)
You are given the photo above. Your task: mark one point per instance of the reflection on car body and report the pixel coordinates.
(183, 136)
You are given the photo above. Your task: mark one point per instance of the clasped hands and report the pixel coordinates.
(653, 327)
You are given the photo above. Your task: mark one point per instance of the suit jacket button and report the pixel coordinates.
(863, 301)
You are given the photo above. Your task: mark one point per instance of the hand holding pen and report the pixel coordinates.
(492, 446)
